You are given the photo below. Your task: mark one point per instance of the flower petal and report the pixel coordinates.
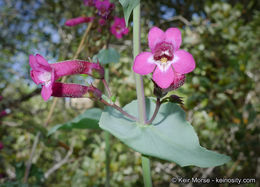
(184, 62)
(78, 20)
(46, 92)
(142, 65)
(41, 60)
(34, 75)
(163, 78)
(173, 36)
(33, 62)
(155, 36)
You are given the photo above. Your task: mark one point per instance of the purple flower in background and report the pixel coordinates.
(89, 2)
(4, 113)
(102, 21)
(118, 28)
(75, 21)
(1, 145)
(104, 8)
(1, 98)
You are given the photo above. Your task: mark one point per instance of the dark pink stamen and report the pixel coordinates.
(161, 48)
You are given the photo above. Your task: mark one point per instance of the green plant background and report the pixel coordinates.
(221, 97)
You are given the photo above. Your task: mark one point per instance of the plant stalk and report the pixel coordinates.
(107, 134)
(140, 92)
(158, 104)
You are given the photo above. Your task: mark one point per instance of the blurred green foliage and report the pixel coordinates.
(221, 97)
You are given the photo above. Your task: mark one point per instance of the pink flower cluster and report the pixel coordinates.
(104, 14)
(168, 63)
(118, 28)
(46, 74)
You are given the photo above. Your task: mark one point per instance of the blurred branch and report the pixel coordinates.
(59, 164)
(179, 18)
(10, 123)
(16, 102)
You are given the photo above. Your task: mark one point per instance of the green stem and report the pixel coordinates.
(107, 141)
(107, 137)
(140, 92)
(138, 78)
(146, 171)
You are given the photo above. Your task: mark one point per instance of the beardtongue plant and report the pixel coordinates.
(158, 128)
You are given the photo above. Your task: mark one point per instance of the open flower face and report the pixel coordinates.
(165, 60)
(104, 8)
(118, 29)
(42, 73)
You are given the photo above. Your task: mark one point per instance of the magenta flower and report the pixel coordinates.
(178, 81)
(104, 8)
(1, 145)
(165, 60)
(1, 98)
(4, 113)
(75, 91)
(45, 74)
(78, 20)
(42, 73)
(102, 21)
(118, 28)
(89, 2)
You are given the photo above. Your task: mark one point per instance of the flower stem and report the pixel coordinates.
(146, 171)
(158, 104)
(138, 78)
(107, 134)
(140, 92)
(107, 87)
(119, 109)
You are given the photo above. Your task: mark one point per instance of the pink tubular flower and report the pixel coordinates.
(118, 28)
(89, 2)
(45, 74)
(75, 91)
(78, 20)
(104, 8)
(165, 60)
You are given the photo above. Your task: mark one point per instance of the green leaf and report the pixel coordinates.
(106, 56)
(128, 6)
(170, 137)
(88, 120)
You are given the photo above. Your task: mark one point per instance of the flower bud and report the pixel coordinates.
(178, 81)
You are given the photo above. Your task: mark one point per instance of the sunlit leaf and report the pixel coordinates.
(106, 56)
(170, 137)
(128, 6)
